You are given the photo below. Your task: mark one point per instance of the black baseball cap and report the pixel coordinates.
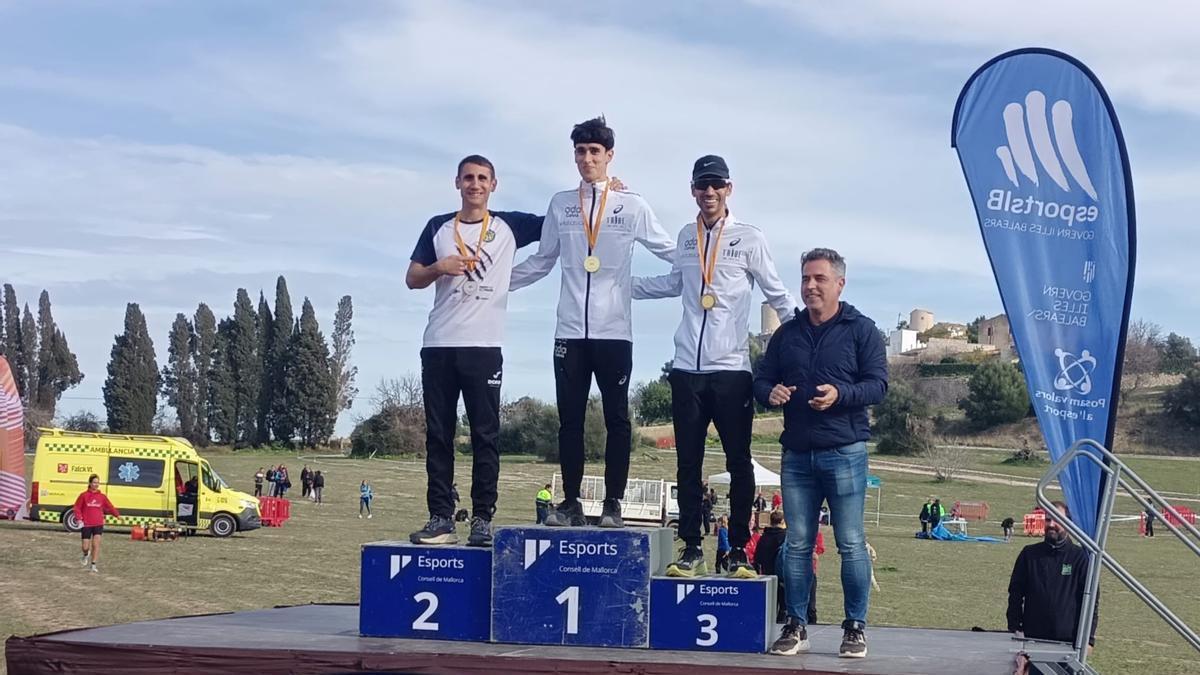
(710, 166)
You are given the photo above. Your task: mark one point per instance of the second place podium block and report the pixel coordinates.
(427, 592)
(575, 586)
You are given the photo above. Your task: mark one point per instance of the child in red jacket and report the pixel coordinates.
(90, 507)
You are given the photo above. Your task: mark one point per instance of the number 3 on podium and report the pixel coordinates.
(708, 630)
(570, 597)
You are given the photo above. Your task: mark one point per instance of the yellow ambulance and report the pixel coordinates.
(150, 479)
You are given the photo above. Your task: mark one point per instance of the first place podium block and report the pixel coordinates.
(575, 585)
(426, 592)
(712, 614)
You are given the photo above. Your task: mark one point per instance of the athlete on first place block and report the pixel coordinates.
(468, 257)
(592, 228)
(718, 261)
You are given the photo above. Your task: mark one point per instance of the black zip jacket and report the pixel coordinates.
(768, 547)
(849, 355)
(1045, 594)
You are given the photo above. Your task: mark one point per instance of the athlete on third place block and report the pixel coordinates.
(718, 261)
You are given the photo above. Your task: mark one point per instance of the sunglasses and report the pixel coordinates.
(705, 183)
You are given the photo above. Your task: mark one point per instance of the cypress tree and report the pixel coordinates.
(310, 382)
(12, 326)
(246, 367)
(222, 401)
(12, 336)
(342, 372)
(28, 380)
(266, 391)
(179, 375)
(58, 369)
(204, 348)
(282, 424)
(131, 390)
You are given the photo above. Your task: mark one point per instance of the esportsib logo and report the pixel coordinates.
(682, 591)
(1027, 129)
(1018, 150)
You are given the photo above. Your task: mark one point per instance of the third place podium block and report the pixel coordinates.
(575, 585)
(712, 613)
(428, 592)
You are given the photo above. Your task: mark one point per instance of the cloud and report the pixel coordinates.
(319, 152)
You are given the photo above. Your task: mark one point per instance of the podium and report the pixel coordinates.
(712, 614)
(575, 585)
(426, 592)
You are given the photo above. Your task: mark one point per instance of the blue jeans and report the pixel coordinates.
(837, 476)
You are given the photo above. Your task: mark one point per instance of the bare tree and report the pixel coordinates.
(1143, 355)
(945, 460)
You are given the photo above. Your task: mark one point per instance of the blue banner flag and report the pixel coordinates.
(1046, 166)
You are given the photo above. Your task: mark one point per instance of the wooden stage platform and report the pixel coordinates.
(324, 639)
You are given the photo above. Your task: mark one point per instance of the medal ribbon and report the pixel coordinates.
(462, 245)
(593, 229)
(708, 262)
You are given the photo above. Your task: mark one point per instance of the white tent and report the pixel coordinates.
(762, 476)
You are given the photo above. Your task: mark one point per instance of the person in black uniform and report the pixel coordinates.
(1045, 594)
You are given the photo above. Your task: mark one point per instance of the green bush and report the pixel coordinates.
(1182, 402)
(394, 430)
(652, 401)
(528, 427)
(902, 423)
(997, 395)
(946, 369)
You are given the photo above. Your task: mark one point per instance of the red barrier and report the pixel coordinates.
(972, 510)
(665, 442)
(275, 511)
(1185, 514)
(1035, 524)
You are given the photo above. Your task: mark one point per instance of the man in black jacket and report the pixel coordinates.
(1045, 594)
(824, 368)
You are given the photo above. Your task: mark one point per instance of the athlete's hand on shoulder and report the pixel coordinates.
(454, 265)
(780, 394)
(615, 183)
(828, 396)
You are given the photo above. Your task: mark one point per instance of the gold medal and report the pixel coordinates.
(592, 229)
(708, 263)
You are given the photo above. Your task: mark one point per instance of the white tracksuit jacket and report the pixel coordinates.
(594, 305)
(718, 339)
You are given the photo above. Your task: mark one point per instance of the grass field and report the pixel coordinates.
(314, 558)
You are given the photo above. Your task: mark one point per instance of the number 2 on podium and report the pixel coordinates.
(571, 598)
(423, 622)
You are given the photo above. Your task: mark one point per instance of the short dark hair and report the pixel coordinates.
(833, 257)
(92, 478)
(476, 159)
(777, 517)
(1062, 506)
(595, 130)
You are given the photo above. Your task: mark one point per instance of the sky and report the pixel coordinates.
(169, 153)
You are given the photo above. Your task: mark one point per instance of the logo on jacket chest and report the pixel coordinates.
(613, 218)
(729, 252)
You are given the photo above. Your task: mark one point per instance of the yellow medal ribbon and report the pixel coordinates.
(462, 245)
(708, 262)
(592, 229)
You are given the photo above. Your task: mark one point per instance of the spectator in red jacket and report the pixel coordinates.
(90, 507)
